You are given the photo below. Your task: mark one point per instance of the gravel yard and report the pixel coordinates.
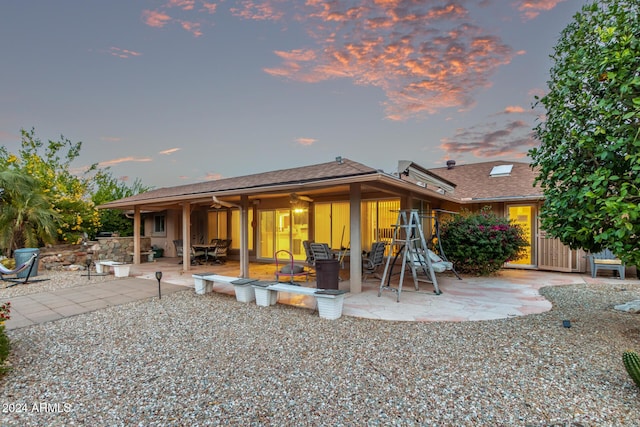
(209, 360)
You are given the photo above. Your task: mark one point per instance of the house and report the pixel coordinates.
(508, 187)
(343, 203)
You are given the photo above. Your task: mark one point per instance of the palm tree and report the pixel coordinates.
(27, 218)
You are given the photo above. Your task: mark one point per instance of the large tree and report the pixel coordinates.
(589, 156)
(50, 166)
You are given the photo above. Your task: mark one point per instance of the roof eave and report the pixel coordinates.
(375, 177)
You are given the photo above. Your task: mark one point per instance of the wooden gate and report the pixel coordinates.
(553, 255)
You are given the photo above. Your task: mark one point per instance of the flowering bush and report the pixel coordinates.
(5, 312)
(480, 243)
(5, 345)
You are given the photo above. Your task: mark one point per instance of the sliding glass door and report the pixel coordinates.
(283, 229)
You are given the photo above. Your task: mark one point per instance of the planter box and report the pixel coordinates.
(264, 297)
(244, 290)
(330, 308)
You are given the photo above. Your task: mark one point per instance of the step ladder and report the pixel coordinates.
(408, 235)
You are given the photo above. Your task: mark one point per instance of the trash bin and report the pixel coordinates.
(327, 273)
(23, 255)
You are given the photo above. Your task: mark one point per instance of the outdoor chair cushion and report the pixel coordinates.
(286, 269)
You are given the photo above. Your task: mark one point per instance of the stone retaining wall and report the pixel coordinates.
(119, 249)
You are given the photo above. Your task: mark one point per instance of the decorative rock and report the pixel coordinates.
(629, 307)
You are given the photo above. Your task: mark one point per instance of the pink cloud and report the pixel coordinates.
(531, 8)
(155, 19)
(192, 27)
(184, 14)
(182, 4)
(170, 151)
(123, 53)
(513, 139)
(257, 10)
(211, 176)
(510, 109)
(425, 58)
(124, 160)
(306, 141)
(209, 7)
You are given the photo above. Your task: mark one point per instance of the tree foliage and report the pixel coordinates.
(107, 188)
(26, 215)
(68, 194)
(480, 243)
(589, 157)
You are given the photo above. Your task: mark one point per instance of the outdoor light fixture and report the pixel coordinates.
(159, 277)
(88, 262)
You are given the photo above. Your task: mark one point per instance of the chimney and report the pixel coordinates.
(451, 164)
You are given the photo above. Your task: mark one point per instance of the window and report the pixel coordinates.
(217, 225)
(332, 224)
(158, 225)
(235, 229)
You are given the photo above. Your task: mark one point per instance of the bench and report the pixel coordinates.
(244, 291)
(204, 281)
(120, 269)
(329, 301)
(148, 253)
(606, 260)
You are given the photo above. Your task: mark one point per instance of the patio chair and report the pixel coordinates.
(310, 260)
(289, 268)
(220, 254)
(374, 260)
(179, 247)
(320, 251)
(606, 260)
(197, 255)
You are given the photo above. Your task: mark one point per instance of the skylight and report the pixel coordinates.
(501, 170)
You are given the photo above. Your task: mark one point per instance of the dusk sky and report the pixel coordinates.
(181, 91)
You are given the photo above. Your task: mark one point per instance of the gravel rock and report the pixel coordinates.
(210, 360)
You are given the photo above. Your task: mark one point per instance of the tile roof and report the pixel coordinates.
(473, 181)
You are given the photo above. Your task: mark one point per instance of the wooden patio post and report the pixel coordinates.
(355, 263)
(186, 236)
(244, 236)
(136, 234)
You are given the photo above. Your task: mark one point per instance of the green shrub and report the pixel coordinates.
(5, 344)
(480, 243)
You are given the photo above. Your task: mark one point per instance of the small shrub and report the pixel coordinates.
(480, 243)
(5, 344)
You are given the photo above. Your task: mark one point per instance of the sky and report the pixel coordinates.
(172, 92)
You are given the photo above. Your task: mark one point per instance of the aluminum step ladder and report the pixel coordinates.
(408, 234)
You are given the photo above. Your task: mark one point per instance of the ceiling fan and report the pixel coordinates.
(296, 198)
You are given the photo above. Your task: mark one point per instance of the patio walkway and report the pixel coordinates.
(43, 307)
(511, 293)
